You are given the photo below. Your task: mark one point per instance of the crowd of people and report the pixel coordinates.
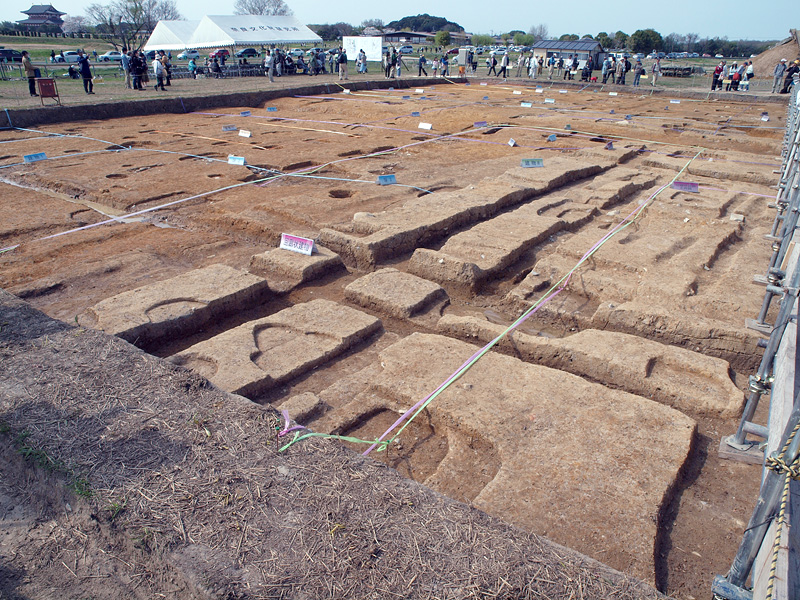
(276, 62)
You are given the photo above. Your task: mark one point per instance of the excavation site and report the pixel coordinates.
(446, 341)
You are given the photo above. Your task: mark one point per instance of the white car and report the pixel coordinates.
(109, 56)
(69, 56)
(296, 52)
(188, 54)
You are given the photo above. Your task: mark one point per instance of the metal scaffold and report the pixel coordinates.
(767, 563)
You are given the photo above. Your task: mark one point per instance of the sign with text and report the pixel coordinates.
(235, 160)
(229, 128)
(244, 133)
(512, 142)
(484, 83)
(406, 97)
(419, 91)
(245, 113)
(674, 101)
(29, 158)
(480, 123)
(525, 104)
(386, 180)
(529, 163)
(346, 91)
(562, 91)
(539, 90)
(425, 126)
(415, 113)
(549, 101)
(517, 92)
(272, 109)
(612, 93)
(297, 244)
(686, 186)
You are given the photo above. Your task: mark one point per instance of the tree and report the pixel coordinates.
(261, 7)
(505, 37)
(620, 39)
(124, 20)
(442, 38)
(77, 24)
(481, 39)
(569, 37)
(691, 39)
(673, 42)
(425, 23)
(376, 23)
(330, 33)
(603, 39)
(645, 40)
(539, 32)
(524, 39)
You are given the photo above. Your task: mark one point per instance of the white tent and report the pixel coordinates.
(171, 35)
(250, 30)
(228, 31)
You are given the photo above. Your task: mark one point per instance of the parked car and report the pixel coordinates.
(219, 53)
(188, 54)
(407, 49)
(718, 56)
(452, 51)
(9, 55)
(247, 53)
(296, 52)
(479, 50)
(313, 51)
(149, 55)
(111, 55)
(69, 56)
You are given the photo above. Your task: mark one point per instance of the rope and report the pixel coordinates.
(791, 471)
(382, 442)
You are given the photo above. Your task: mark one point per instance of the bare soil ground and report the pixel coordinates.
(679, 277)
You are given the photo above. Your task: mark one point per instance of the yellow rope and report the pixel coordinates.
(791, 471)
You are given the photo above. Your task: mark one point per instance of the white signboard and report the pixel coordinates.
(370, 45)
(296, 244)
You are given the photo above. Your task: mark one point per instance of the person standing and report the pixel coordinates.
(269, 61)
(165, 61)
(422, 62)
(656, 71)
(567, 67)
(136, 76)
(504, 66)
(30, 72)
(777, 75)
(158, 72)
(342, 64)
(604, 69)
(492, 65)
(638, 71)
(560, 65)
(126, 68)
(715, 78)
(86, 72)
(620, 72)
(551, 65)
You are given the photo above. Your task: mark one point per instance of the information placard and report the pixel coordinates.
(525, 104)
(346, 91)
(613, 94)
(245, 113)
(419, 91)
(686, 186)
(674, 101)
(415, 113)
(29, 158)
(236, 160)
(386, 180)
(517, 92)
(244, 133)
(552, 137)
(529, 163)
(406, 97)
(539, 90)
(425, 126)
(272, 109)
(480, 124)
(512, 142)
(549, 101)
(562, 91)
(297, 244)
(229, 128)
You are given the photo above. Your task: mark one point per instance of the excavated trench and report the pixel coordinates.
(593, 423)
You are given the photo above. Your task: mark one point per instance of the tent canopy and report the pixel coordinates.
(171, 35)
(233, 30)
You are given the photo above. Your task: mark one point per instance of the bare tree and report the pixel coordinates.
(691, 39)
(125, 20)
(376, 23)
(75, 24)
(539, 32)
(262, 7)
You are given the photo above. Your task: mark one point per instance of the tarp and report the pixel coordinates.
(171, 35)
(249, 30)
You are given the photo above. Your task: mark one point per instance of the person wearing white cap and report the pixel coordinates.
(780, 69)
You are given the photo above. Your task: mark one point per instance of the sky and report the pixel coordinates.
(736, 19)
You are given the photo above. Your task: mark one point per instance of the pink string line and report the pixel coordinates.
(458, 372)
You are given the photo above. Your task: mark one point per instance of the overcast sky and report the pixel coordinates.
(736, 19)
